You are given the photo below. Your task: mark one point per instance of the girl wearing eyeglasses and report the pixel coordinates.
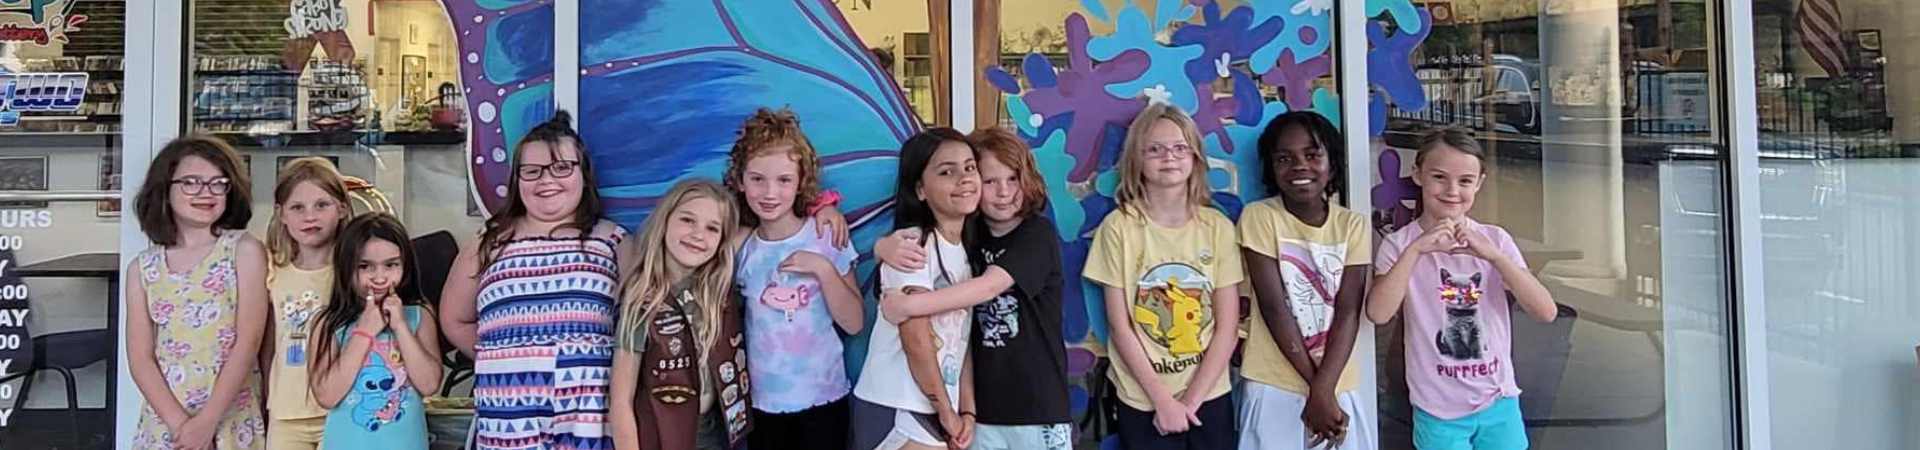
(1169, 264)
(534, 301)
(197, 311)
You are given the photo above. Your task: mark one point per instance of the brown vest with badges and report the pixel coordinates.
(668, 404)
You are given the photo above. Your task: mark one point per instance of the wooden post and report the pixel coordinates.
(986, 53)
(940, 34)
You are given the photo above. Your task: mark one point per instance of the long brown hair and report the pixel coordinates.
(153, 206)
(554, 132)
(312, 169)
(765, 131)
(649, 285)
(347, 304)
(1133, 160)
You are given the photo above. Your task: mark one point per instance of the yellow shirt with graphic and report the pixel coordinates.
(1168, 276)
(1312, 260)
(297, 296)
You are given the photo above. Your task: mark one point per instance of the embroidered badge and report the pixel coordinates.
(729, 395)
(674, 346)
(726, 372)
(674, 395)
(675, 363)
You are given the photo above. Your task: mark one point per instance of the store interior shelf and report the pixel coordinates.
(329, 138)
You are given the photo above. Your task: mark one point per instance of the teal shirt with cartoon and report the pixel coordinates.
(382, 410)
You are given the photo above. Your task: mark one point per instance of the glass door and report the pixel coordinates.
(62, 83)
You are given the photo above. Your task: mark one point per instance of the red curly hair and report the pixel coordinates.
(769, 131)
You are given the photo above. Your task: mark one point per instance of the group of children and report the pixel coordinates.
(723, 323)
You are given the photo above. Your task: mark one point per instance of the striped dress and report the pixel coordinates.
(546, 343)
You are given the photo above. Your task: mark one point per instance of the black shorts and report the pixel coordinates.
(823, 426)
(1137, 432)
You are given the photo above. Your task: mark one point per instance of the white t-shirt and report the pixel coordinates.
(885, 379)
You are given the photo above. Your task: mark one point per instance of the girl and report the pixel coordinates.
(197, 313)
(1017, 266)
(1451, 275)
(915, 390)
(372, 377)
(309, 205)
(1307, 263)
(1169, 266)
(800, 286)
(535, 306)
(681, 321)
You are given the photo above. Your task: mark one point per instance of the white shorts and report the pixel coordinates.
(907, 428)
(1057, 436)
(1270, 420)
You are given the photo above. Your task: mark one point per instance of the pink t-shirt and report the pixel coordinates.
(1459, 330)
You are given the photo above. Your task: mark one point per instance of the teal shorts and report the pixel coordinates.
(1499, 427)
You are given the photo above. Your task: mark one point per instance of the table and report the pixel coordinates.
(1539, 254)
(89, 265)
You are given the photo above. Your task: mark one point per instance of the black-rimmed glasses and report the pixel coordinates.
(558, 169)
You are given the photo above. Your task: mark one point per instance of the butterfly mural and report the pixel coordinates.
(506, 62)
(665, 85)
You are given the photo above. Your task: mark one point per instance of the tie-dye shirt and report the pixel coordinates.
(1459, 333)
(797, 359)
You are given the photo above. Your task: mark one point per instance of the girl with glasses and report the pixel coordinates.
(197, 311)
(534, 301)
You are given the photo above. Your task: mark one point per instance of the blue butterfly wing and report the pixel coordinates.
(506, 61)
(665, 85)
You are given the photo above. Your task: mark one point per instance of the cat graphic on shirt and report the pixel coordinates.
(1460, 339)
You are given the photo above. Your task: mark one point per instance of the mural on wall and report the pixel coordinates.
(506, 62)
(665, 85)
(1394, 87)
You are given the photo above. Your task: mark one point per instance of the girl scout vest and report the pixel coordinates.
(669, 397)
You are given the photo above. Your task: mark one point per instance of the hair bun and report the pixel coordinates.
(562, 118)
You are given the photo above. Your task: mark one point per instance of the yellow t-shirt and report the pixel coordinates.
(1312, 260)
(298, 296)
(1169, 275)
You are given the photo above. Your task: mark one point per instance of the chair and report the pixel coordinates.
(434, 254)
(62, 353)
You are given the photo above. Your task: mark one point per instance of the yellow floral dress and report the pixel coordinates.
(193, 313)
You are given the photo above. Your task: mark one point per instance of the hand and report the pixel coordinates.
(395, 314)
(1474, 242)
(1173, 416)
(1443, 237)
(373, 317)
(176, 424)
(829, 221)
(1324, 419)
(894, 308)
(963, 439)
(198, 431)
(901, 250)
(952, 424)
(809, 263)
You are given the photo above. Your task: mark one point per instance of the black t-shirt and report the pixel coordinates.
(1019, 359)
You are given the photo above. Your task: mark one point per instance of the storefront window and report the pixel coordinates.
(60, 99)
(1839, 160)
(382, 89)
(1604, 127)
(1071, 76)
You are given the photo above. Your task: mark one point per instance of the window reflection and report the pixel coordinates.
(1602, 119)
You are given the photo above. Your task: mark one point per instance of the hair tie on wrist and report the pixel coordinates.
(827, 198)
(364, 333)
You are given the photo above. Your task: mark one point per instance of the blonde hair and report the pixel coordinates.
(649, 285)
(281, 247)
(1133, 159)
(766, 131)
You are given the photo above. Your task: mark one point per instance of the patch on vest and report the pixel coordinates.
(726, 372)
(674, 395)
(675, 363)
(669, 324)
(674, 346)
